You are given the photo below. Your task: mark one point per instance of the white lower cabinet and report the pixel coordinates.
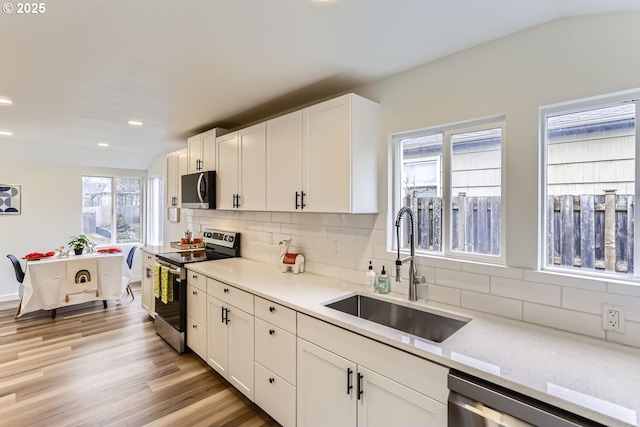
(146, 283)
(368, 384)
(275, 366)
(276, 396)
(230, 336)
(197, 320)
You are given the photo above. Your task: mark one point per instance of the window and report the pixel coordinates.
(589, 189)
(111, 209)
(451, 178)
(154, 214)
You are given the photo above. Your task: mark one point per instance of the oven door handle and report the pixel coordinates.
(174, 271)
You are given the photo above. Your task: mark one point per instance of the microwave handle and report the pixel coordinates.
(201, 193)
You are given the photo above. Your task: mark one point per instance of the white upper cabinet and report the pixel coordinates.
(176, 167)
(201, 151)
(284, 162)
(241, 169)
(324, 158)
(227, 171)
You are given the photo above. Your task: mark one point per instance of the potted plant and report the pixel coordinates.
(78, 243)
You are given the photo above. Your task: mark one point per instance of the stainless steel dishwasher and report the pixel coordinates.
(477, 403)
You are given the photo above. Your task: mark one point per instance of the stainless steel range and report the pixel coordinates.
(171, 316)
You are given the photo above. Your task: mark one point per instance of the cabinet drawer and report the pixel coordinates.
(276, 349)
(148, 258)
(276, 314)
(197, 304)
(197, 337)
(276, 396)
(232, 296)
(196, 279)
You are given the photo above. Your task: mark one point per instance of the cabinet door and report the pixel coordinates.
(208, 150)
(387, 403)
(327, 156)
(194, 153)
(146, 285)
(240, 351)
(172, 180)
(252, 153)
(326, 390)
(227, 170)
(284, 161)
(217, 333)
(197, 337)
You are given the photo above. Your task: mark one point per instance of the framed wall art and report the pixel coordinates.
(10, 199)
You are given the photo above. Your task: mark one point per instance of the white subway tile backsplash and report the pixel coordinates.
(630, 337)
(624, 289)
(358, 221)
(341, 245)
(559, 318)
(279, 217)
(593, 284)
(492, 304)
(591, 302)
(444, 295)
(492, 270)
(526, 291)
(463, 280)
(264, 216)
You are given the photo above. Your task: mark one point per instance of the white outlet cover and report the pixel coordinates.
(621, 318)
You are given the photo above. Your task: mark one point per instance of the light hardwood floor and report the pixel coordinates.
(95, 367)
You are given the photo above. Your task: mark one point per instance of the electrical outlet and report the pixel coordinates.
(613, 318)
(336, 247)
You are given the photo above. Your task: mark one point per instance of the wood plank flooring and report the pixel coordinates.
(95, 367)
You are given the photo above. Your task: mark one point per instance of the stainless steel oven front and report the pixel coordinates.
(171, 307)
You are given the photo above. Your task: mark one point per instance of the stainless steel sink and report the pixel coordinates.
(425, 324)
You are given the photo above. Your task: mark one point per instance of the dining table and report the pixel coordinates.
(53, 282)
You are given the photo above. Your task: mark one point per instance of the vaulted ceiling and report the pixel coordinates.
(80, 70)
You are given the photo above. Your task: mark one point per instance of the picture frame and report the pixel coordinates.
(10, 196)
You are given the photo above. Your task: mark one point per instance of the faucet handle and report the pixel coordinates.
(419, 279)
(398, 270)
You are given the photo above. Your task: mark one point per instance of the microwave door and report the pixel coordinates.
(202, 188)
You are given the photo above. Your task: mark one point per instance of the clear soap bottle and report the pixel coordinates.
(384, 285)
(370, 281)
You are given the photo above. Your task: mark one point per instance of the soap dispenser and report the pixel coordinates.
(370, 281)
(384, 285)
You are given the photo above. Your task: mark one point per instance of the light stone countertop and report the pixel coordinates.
(590, 377)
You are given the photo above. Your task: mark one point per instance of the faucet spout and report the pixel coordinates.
(414, 279)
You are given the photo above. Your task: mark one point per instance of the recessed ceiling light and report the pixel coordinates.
(103, 144)
(135, 123)
(5, 133)
(5, 101)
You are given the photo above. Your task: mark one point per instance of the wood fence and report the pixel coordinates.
(591, 231)
(475, 223)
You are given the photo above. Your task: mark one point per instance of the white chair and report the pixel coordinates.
(126, 273)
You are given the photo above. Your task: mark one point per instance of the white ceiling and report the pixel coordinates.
(78, 72)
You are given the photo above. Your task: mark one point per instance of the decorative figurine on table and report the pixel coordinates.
(289, 261)
(62, 253)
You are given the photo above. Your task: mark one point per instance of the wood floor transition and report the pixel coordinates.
(95, 367)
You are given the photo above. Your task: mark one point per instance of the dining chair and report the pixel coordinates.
(19, 277)
(126, 276)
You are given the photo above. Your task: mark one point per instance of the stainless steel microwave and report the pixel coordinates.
(199, 190)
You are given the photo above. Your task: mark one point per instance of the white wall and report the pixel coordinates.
(51, 206)
(561, 61)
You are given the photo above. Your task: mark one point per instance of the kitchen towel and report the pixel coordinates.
(162, 286)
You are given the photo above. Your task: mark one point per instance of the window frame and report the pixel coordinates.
(114, 217)
(575, 106)
(396, 193)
